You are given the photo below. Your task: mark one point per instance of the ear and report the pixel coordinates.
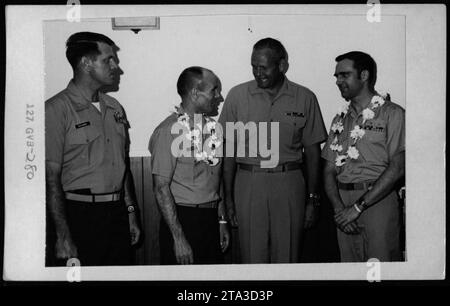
(283, 66)
(86, 63)
(194, 93)
(364, 75)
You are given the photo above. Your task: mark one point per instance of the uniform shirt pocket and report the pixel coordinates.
(81, 146)
(291, 129)
(185, 169)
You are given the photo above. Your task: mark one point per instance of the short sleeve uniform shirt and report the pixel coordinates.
(384, 137)
(91, 146)
(295, 109)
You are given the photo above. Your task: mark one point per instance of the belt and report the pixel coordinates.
(212, 204)
(281, 168)
(93, 198)
(355, 186)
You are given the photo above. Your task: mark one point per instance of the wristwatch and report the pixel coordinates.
(131, 209)
(361, 204)
(315, 199)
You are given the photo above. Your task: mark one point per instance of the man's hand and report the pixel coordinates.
(65, 248)
(183, 251)
(311, 214)
(351, 228)
(135, 231)
(224, 237)
(346, 216)
(231, 213)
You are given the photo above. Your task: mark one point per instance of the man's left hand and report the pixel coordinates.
(224, 237)
(135, 231)
(346, 216)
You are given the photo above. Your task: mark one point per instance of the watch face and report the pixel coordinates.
(130, 208)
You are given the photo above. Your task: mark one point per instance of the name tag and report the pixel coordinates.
(295, 114)
(83, 124)
(374, 128)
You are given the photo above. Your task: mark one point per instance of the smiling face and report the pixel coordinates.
(209, 94)
(348, 80)
(267, 70)
(104, 67)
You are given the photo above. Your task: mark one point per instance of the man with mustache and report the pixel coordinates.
(272, 205)
(187, 174)
(365, 155)
(90, 197)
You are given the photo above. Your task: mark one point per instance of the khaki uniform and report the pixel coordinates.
(90, 146)
(193, 184)
(380, 225)
(270, 206)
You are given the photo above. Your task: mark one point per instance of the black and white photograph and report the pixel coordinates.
(225, 142)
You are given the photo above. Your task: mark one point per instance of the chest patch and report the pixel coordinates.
(83, 124)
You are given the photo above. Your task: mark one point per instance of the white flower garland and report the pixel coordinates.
(355, 134)
(195, 135)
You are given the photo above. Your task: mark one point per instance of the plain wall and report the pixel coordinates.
(153, 59)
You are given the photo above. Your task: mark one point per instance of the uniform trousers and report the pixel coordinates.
(379, 227)
(270, 210)
(100, 231)
(201, 229)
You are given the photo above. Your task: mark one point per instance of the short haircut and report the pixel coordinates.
(276, 46)
(362, 61)
(84, 44)
(190, 78)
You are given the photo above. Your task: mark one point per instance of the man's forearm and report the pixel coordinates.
(386, 182)
(129, 194)
(167, 207)
(56, 202)
(229, 173)
(312, 160)
(331, 188)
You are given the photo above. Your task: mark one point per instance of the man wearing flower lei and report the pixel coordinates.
(272, 205)
(186, 168)
(365, 155)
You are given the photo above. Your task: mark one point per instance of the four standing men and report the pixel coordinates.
(89, 191)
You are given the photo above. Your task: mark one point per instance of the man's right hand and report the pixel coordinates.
(65, 248)
(351, 228)
(183, 251)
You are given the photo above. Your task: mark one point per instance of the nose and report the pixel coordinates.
(114, 64)
(257, 71)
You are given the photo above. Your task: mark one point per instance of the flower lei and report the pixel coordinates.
(355, 134)
(195, 135)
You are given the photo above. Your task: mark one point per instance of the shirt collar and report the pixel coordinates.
(286, 88)
(82, 102)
